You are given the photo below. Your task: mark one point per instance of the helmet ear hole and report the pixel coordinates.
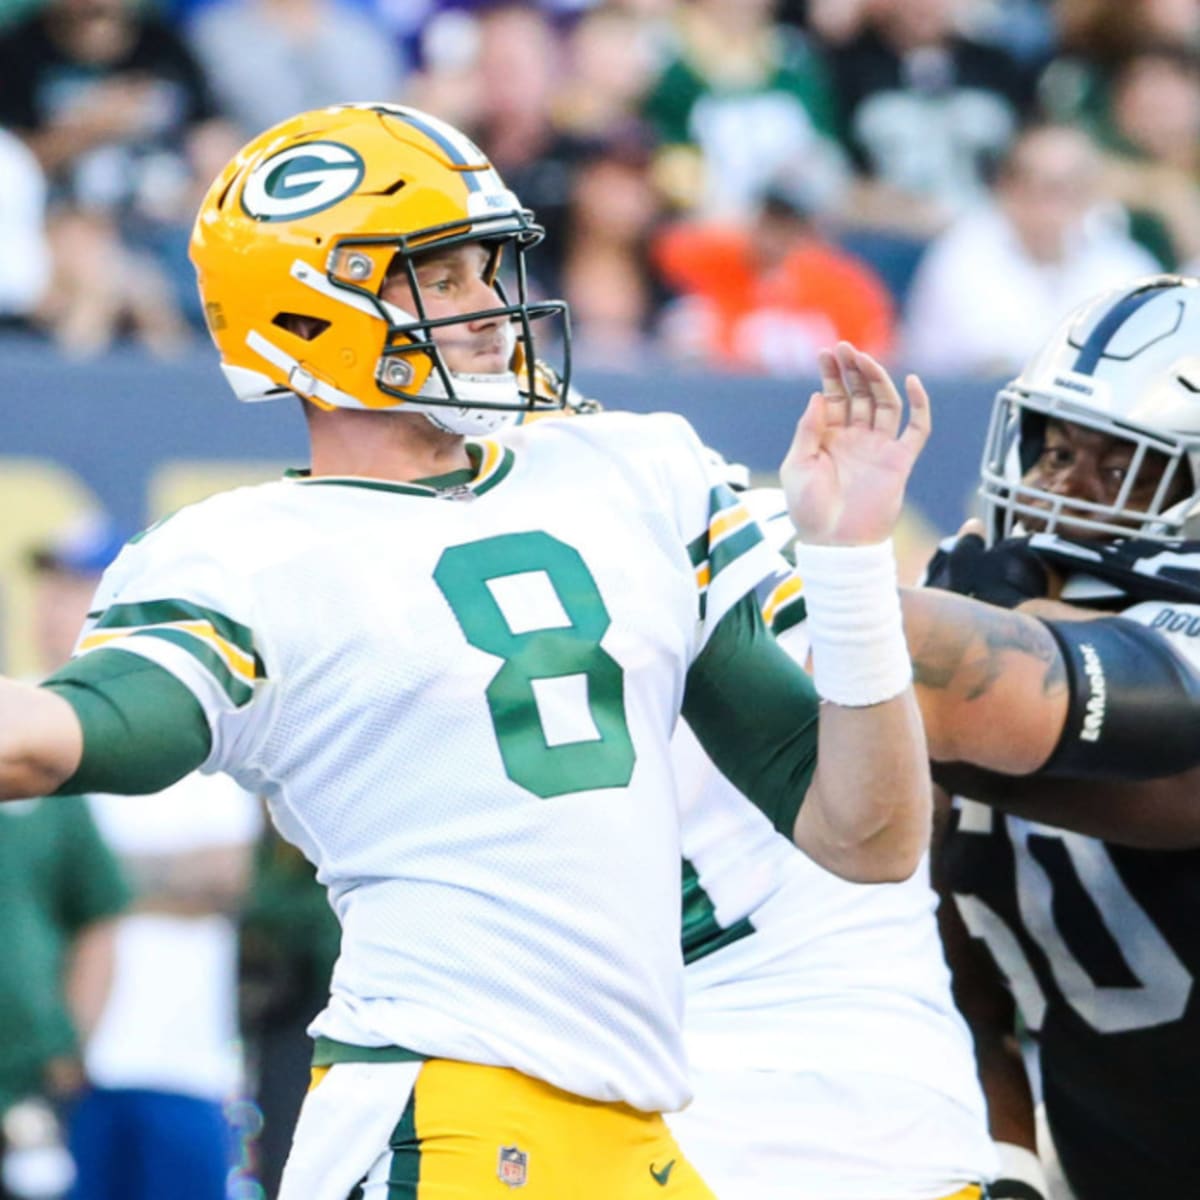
(307, 328)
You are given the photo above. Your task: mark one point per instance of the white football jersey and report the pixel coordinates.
(458, 702)
(843, 986)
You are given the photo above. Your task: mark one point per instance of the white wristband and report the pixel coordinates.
(1021, 1174)
(859, 653)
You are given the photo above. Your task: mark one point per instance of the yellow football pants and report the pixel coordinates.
(470, 1132)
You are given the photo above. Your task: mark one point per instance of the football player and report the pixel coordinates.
(1087, 911)
(453, 663)
(827, 1056)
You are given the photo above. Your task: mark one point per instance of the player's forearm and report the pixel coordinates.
(1157, 814)
(867, 815)
(40, 741)
(990, 683)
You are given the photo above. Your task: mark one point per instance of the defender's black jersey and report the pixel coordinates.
(1101, 947)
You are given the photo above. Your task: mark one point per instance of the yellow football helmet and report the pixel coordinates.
(296, 236)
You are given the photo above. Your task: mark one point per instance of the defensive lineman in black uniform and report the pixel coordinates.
(1091, 485)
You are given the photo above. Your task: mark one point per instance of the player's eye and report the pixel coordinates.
(1056, 457)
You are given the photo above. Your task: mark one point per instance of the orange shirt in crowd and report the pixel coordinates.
(735, 313)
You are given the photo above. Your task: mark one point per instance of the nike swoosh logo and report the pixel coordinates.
(661, 1177)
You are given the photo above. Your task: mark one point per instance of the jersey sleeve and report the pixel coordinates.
(755, 712)
(729, 554)
(169, 600)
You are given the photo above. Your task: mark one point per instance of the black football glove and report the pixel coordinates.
(1006, 574)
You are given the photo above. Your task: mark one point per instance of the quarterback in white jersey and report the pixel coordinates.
(453, 663)
(827, 1056)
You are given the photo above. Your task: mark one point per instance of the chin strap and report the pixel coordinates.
(467, 422)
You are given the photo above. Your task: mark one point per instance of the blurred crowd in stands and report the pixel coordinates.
(723, 182)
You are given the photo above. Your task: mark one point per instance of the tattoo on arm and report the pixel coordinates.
(967, 646)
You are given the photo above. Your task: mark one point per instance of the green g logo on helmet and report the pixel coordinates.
(301, 180)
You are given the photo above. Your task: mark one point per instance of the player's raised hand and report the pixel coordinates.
(849, 463)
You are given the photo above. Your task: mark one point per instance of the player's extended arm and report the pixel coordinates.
(868, 808)
(991, 684)
(110, 721)
(1101, 709)
(40, 740)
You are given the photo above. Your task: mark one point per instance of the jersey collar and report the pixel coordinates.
(490, 463)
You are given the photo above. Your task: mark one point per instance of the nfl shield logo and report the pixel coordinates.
(513, 1166)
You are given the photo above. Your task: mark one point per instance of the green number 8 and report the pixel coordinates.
(463, 574)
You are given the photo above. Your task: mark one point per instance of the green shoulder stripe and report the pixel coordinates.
(730, 548)
(789, 615)
(224, 647)
(160, 612)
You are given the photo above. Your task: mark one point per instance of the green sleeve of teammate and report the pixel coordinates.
(754, 710)
(142, 729)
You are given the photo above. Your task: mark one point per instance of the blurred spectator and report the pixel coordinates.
(164, 1058)
(66, 571)
(163, 1054)
(606, 277)
(269, 59)
(832, 22)
(1024, 28)
(612, 58)
(60, 889)
(507, 81)
(118, 114)
(926, 113)
(289, 943)
(743, 102)
(990, 286)
(1155, 129)
(24, 248)
(765, 295)
(1095, 37)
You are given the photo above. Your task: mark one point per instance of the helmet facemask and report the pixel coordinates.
(1125, 365)
(412, 365)
(296, 238)
(1166, 464)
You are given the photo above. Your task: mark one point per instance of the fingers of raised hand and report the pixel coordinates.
(920, 415)
(859, 387)
(807, 440)
(859, 391)
(837, 398)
